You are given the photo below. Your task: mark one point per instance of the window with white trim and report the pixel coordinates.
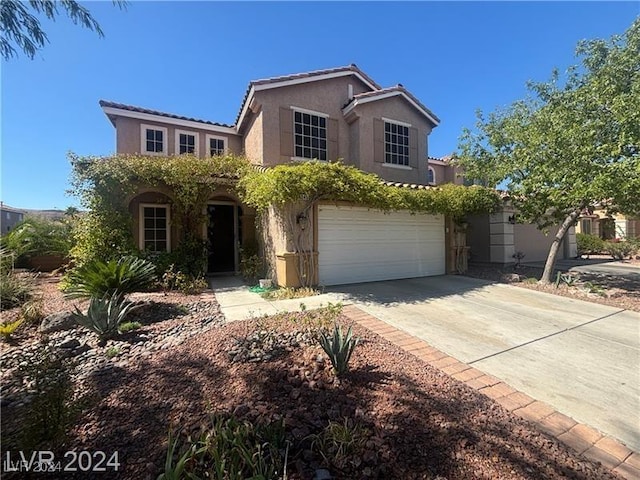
(153, 140)
(216, 145)
(431, 176)
(585, 226)
(154, 228)
(396, 144)
(309, 135)
(186, 142)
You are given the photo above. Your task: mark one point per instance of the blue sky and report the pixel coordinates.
(196, 59)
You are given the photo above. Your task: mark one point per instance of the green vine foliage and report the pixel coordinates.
(105, 184)
(313, 181)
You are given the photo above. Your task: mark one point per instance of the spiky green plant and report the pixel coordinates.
(7, 329)
(105, 314)
(15, 289)
(339, 348)
(98, 278)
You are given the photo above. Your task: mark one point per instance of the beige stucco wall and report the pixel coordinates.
(534, 243)
(128, 139)
(253, 139)
(324, 96)
(393, 108)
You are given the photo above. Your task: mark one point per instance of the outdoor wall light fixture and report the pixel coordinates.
(302, 220)
(512, 219)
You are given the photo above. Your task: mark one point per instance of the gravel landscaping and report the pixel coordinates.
(591, 287)
(404, 418)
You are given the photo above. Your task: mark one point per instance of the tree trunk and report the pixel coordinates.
(555, 246)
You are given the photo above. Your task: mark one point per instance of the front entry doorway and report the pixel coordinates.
(221, 233)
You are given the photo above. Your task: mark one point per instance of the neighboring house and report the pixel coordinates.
(339, 113)
(608, 227)
(9, 218)
(498, 237)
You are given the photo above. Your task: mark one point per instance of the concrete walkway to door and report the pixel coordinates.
(581, 358)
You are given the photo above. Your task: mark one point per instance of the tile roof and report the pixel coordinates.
(131, 108)
(284, 78)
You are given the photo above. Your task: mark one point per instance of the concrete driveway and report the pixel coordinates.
(582, 358)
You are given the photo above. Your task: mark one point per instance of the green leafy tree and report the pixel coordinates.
(574, 142)
(21, 27)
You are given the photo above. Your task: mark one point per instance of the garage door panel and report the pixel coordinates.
(356, 244)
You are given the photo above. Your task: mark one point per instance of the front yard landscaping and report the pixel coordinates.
(616, 291)
(257, 397)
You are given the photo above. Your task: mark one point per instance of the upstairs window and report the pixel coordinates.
(186, 142)
(216, 145)
(396, 144)
(154, 227)
(310, 135)
(154, 140)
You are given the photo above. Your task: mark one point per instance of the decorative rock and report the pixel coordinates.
(71, 344)
(58, 322)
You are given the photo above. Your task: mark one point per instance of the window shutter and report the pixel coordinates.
(378, 140)
(332, 139)
(286, 132)
(413, 147)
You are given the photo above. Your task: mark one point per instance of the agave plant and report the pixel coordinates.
(97, 278)
(105, 314)
(339, 348)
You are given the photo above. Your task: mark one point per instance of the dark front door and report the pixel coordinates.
(222, 251)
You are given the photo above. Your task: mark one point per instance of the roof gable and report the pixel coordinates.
(298, 78)
(384, 93)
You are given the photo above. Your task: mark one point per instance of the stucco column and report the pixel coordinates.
(501, 237)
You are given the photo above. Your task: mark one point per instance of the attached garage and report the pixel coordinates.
(357, 244)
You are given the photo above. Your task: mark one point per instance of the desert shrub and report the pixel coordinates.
(620, 250)
(341, 444)
(589, 244)
(32, 311)
(129, 327)
(105, 314)
(251, 265)
(15, 289)
(39, 236)
(7, 329)
(174, 279)
(98, 278)
(53, 408)
(112, 352)
(229, 449)
(339, 349)
(565, 279)
(289, 293)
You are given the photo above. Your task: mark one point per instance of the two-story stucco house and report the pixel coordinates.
(338, 113)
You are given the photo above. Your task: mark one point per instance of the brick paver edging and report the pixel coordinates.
(583, 439)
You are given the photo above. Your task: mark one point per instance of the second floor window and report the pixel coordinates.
(396, 144)
(186, 142)
(310, 135)
(154, 140)
(215, 146)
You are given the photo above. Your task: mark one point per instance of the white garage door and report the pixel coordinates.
(356, 244)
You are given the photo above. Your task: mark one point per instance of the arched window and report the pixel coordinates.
(431, 176)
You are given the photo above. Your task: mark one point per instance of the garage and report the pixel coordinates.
(357, 244)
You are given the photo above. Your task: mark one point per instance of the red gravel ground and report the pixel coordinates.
(421, 423)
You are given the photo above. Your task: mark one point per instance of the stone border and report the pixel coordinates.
(585, 440)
